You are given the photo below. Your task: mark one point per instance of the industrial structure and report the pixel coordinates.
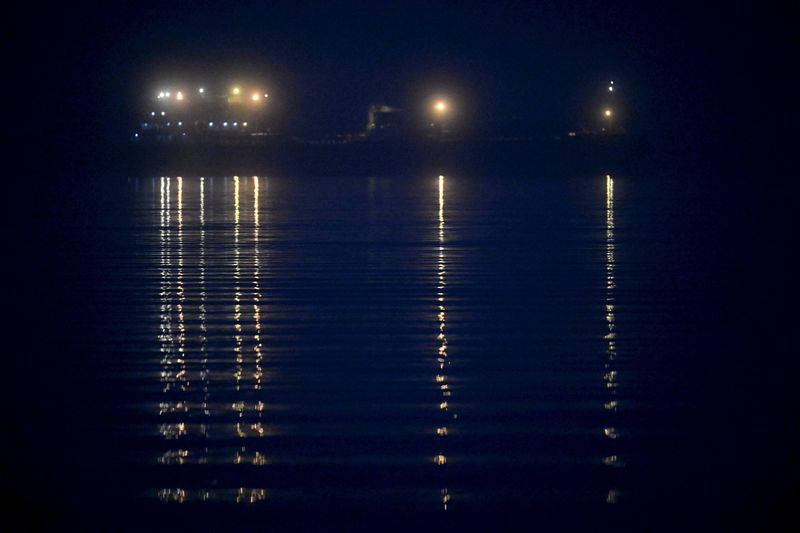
(239, 112)
(177, 113)
(386, 121)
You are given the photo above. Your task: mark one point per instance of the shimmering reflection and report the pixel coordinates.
(610, 371)
(193, 410)
(204, 363)
(442, 361)
(172, 344)
(182, 374)
(170, 361)
(248, 374)
(289, 331)
(237, 495)
(237, 298)
(258, 373)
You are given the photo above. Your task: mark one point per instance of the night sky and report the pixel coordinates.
(542, 64)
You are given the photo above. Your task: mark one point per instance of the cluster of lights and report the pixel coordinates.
(607, 112)
(166, 95)
(224, 124)
(236, 94)
(439, 107)
(256, 96)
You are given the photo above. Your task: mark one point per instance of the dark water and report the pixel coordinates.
(531, 349)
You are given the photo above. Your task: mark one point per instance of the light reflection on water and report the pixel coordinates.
(610, 375)
(188, 381)
(442, 357)
(290, 370)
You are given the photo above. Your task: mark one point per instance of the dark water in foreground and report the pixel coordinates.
(570, 350)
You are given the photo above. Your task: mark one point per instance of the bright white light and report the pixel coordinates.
(210, 124)
(201, 90)
(225, 124)
(612, 83)
(152, 113)
(611, 88)
(266, 95)
(440, 106)
(235, 124)
(256, 97)
(162, 113)
(607, 112)
(179, 96)
(161, 94)
(244, 124)
(236, 90)
(135, 134)
(166, 94)
(180, 123)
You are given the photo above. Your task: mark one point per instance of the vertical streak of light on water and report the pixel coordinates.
(164, 317)
(182, 373)
(259, 356)
(442, 361)
(204, 370)
(610, 372)
(237, 309)
(164, 327)
(172, 366)
(166, 338)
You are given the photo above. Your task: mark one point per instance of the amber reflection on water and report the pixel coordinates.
(258, 373)
(204, 368)
(186, 373)
(441, 379)
(214, 320)
(610, 372)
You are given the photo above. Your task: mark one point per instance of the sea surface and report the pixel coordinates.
(535, 348)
